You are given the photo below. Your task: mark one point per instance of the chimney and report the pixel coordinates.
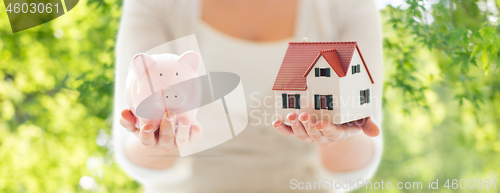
(304, 39)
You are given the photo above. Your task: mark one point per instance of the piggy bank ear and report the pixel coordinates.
(140, 63)
(191, 58)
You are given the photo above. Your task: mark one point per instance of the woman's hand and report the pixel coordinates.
(307, 129)
(170, 137)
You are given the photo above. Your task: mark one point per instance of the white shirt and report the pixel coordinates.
(259, 159)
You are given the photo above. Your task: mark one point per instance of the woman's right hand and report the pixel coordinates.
(168, 138)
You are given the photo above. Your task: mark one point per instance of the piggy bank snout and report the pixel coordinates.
(174, 97)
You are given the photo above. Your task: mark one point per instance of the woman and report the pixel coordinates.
(249, 38)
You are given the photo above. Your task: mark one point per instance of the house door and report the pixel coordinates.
(323, 102)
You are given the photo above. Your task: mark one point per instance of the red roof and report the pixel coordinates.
(332, 57)
(300, 58)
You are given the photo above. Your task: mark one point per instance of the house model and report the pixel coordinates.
(329, 80)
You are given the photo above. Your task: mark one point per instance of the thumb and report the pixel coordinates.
(370, 128)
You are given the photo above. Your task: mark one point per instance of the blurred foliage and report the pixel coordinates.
(441, 93)
(56, 100)
(441, 111)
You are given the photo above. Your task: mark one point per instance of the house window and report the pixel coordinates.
(284, 99)
(291, 101)
(364, 96)
(323, 102)
(322, 72)
(356, 69)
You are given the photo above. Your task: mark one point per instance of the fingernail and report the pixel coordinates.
(195, 129)
(184, 122)
(303, 118)
(319, 126)
(146, 130)
(292, 118)
(169, 115)
(340, 134)
(276, 123)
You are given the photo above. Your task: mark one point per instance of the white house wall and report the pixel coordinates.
(350, 87)
(282, 113)
(315, 85)
(324, 86)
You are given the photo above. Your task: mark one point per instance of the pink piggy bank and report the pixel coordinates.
(160, 82)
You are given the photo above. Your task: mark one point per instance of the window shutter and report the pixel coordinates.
(359, 68)
(329, 102)
(327, 71)
(353, 69)
(361, 98)
(364, 95)
(283, 96)
(317, 102)
(316, 72)
(297, 101)
(367, 95)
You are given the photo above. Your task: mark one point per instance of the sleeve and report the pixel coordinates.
(358, 20)
(357, 177)
(142, 27)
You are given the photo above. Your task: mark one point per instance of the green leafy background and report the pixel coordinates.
(441, 98)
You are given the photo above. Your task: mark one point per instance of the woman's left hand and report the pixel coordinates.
(307, 129)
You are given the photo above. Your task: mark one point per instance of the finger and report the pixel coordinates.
(370, 128)
(132, 129)
(282, 128)
(195, 134)
(147, 135)
(128, 120)
(360, 122)
(309, 122)
(182, 134)
(331, 131)
(166, 138)
(127, 125)
(128, 115)
(298, 128)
